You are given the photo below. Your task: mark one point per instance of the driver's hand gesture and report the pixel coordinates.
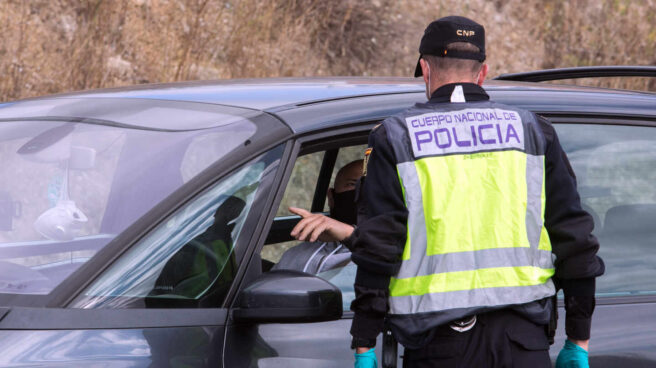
(315, 226)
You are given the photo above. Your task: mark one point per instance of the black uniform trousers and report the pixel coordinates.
(498, 339)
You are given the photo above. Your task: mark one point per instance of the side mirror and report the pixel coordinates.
(283, 296)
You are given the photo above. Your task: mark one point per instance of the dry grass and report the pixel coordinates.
(52, 46)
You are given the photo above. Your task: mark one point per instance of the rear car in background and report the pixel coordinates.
(138, 226)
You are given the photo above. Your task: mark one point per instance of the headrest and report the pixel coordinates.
(632, 218)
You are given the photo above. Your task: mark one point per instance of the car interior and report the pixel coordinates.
(313, 174)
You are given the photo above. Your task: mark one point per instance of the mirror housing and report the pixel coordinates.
(82, 158)
(283, 296)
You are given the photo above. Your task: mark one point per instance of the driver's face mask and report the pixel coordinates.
(344, 208)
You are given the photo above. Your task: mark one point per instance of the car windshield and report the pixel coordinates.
(67, 188)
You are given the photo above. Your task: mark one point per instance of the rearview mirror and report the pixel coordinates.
(289, 296)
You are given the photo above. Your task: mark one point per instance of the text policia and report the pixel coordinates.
(470, 130)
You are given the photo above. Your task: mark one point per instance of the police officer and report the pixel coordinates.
(465, 204)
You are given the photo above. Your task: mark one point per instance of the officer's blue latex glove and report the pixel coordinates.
(366, 360)
(572, 356)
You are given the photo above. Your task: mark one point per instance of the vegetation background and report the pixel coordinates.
(51, 46)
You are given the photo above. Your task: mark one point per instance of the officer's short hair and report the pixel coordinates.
(452, 65)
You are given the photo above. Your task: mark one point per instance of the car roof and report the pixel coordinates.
(261, 94)
(278, 95)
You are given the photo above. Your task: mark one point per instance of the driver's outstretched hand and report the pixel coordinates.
(315, 226)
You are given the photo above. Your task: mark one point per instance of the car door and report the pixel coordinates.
(614, 159)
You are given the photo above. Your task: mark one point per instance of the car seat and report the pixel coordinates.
(202, 270)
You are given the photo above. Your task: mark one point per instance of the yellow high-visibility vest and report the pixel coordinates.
(472, 176)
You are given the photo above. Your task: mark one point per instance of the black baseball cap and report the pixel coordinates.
(451, 29)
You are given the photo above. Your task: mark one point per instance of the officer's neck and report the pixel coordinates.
(435, 85)
(471, 91)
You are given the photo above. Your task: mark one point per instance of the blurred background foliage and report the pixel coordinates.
(51, 46)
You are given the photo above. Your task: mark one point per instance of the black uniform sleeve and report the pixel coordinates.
(570, 232)
(378, 241)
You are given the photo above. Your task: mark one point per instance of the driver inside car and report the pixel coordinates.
(316, 254)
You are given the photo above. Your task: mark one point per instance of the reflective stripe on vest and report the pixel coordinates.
(473, 183)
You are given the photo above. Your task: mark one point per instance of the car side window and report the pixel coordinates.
(188, 260)
(615, 168)
(330, 261)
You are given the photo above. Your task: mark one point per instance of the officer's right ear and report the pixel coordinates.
(482, 74)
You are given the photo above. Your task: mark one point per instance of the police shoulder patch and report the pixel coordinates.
(367, 153)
